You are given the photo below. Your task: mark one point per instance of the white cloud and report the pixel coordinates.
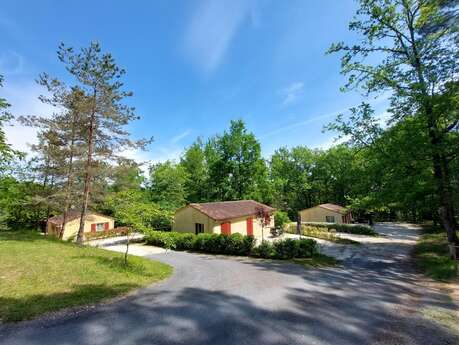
(23, 97)
(292, 92)
(299, 124)
(180, 136)
(211, 29)
(331, 142)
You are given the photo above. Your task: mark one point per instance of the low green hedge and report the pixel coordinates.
(121, 231)
(235, 244)
(357, 229)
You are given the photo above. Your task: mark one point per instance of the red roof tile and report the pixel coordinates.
(334, 208)
(231, 209)
(71, 215)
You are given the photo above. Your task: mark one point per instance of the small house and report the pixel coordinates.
(93, 222)
(226, 217)
(329, 213)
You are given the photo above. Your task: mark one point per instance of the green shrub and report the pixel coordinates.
(265, 250)
(357, 229)
(120, 231)
(286, 249)
(184, 242)
(235, 244)
(202, 243)
(307, 248)
(248, 245)
(280, 219)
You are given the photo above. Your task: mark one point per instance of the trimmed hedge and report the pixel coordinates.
(287, 249)
(121, 231)
(357, 229)
(235, 244)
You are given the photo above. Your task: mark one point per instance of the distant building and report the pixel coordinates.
(226, 217)
(329, 213)
(94, 222)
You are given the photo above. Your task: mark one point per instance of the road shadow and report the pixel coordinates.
(198, 316)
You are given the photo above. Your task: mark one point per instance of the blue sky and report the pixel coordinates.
(192, 65)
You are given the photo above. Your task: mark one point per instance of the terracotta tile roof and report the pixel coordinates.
(334, 208)
(71, 215)
(231, 209)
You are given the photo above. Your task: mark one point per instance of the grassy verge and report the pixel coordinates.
(432, 255)
(318, 260)
(40, 275)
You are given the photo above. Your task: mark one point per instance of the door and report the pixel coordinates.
(226, 228)
(250, 226)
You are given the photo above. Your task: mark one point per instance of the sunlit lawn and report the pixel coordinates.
(39, 275)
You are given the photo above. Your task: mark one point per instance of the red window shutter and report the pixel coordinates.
(93, 227)
(106, 225)
(249, 226)
(226, 228)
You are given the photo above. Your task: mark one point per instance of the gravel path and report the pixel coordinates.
(372, 298)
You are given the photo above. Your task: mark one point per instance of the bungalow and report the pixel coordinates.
(93, 222)
(329, 213)
(226, 217)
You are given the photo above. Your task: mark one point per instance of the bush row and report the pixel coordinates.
(120, 231)
(357, 229)
(235, 244)
(287, 249)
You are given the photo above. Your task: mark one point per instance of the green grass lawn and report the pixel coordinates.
(39, 275)
(432, 255)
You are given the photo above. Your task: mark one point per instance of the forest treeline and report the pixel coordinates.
(406, 168)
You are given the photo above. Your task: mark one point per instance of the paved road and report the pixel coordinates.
(371, 299)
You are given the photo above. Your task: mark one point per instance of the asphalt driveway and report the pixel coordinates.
(373, 298)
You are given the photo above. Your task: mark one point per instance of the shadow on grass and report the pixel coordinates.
(432, 256)
(24, 308)
(25, 235)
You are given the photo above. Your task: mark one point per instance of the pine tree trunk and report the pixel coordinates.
(69, 181)
(88, 175)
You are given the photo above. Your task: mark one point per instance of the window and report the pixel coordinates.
(100, 226)
(198, 228)
(330, 219)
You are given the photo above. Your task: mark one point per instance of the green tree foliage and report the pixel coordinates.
(100, 79)
(133, 209)
(194, 161)
(126, 175)
(167, 185)
(410, 48)
(6, 152)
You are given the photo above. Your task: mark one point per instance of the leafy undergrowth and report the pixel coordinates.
(40, 275)
(318, 260)
(432, 256)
